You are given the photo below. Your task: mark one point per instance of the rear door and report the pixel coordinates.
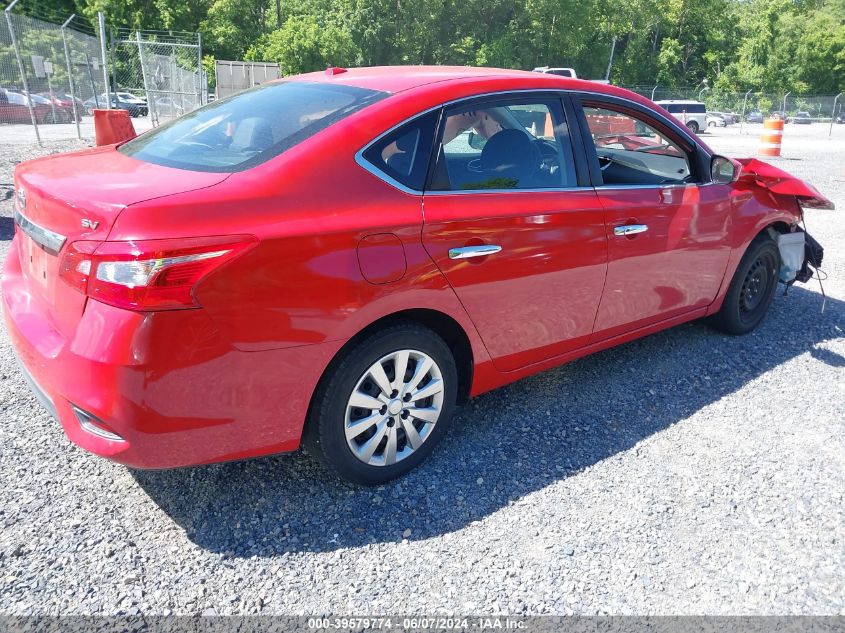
(667, 224)
(519, 238)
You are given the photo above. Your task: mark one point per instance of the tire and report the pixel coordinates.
(333, 414)
(692, 126)
(711, 124)
(752, 288)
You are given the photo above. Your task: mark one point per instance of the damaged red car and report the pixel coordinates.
(341, 258)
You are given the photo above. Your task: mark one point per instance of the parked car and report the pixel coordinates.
(560, 72)
(692, 113)
(14, 108)
(58, 112)
(167, 107)
(777, 114)
(66, 102)
(755, 116)
(266, 275)
(730, 117)
(133, 108)
(715, 119)
(840, 118)
(802, 118)
(128, 97)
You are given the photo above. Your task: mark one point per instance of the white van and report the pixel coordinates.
(692, 113)
(562, 72)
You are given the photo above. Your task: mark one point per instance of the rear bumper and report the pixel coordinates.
(166, 383)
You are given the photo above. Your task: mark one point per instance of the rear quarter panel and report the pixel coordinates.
(310, 208)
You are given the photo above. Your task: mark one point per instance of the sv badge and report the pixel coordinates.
(90, 224)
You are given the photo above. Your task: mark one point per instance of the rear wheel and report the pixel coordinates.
(693, 127)
(752, 288)
(381, 410)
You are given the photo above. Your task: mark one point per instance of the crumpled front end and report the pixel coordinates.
(782, 183)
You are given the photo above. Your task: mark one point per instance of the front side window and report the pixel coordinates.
(518, 145)
(632, 152)
(250, 127)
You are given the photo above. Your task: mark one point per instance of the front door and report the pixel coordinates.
(522, 245)
(667, 225)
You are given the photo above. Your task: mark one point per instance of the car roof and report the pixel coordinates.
(394, 79)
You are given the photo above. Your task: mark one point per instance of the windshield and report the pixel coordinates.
(250, 127)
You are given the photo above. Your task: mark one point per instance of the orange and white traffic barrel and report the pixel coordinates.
(771, 138)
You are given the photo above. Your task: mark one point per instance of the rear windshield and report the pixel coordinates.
(250, 127)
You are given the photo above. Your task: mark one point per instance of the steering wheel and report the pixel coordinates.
(608, 160)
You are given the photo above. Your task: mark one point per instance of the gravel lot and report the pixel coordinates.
(688, 472)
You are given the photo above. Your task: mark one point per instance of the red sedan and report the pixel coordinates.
(340, 258)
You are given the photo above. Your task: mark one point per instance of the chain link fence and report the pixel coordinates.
(52, 77)
(164, 68)
(819, 107)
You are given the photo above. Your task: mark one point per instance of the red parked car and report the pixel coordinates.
(14, 108)
(343, 257)
(69, 106)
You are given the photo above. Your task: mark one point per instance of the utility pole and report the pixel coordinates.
(610, 61)
(742, 118)
(101, 19)
(833, 115)
(76, 113)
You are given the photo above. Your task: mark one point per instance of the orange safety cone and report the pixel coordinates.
(113, 126)
(771, 138)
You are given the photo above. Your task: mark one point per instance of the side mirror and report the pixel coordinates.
(723, 170)
(476, 141)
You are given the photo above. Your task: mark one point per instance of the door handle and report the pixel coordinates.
(630, 229)
(465, 252)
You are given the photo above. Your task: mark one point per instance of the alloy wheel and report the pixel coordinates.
(394, 407)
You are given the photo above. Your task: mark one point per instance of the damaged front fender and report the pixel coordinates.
(780, 182)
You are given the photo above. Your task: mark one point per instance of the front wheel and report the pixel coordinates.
(752, 288)
(381, 410)
(693, 127)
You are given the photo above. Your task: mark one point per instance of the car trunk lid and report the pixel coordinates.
(79, 196)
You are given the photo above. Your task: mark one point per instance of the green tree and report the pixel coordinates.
(303, 45)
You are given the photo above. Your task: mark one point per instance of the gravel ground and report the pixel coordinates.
(684, 473)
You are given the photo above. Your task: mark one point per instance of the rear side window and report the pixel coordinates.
(250, 127)
(689, 108)
(403, 154)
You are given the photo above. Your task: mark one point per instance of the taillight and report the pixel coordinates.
(150, 274)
